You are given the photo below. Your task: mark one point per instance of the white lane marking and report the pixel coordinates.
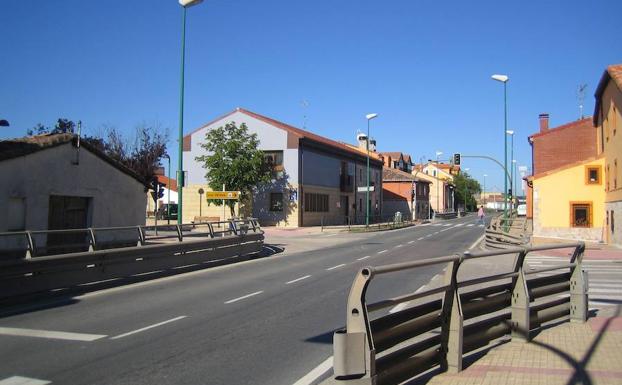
(50, 334)
(297, 279)
(403, 305)
(477, 242)
(332, 235)
(471, 225)
(398, 246)
(185, 266)
(383, 251)
(18, 380)
(480, 225)
(459, 224)
(436, 232)
(365, 257)
(420, 238)
(316, 373)
(411, 242)
(148, 327)
(243, 297)
(447, 225)
(336, 267)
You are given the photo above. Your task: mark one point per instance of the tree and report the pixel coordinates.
(62, 126)
(472, 187)
(141, 155)
(233, 160)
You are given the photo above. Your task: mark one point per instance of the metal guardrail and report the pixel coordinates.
(37, 243)
(33, 274)
(398, 346)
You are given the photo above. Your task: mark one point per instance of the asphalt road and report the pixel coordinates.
(264, 321)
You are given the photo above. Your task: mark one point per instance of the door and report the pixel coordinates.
(67, 212)
(344, 202)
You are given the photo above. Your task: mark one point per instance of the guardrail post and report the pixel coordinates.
(233, 227)
(92, 242)
(578, 287)
(452, 330)
(141, 236)
(180, 236)
(520, 323)
(211, 230)
(354, 358)
(30, 246)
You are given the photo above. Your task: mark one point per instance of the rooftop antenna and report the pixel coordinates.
(581, 97)
(304, 105)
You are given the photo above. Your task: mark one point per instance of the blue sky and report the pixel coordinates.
(424, 66)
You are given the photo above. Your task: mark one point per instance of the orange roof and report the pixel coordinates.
(300, 133)
(165, 181)
(564, 167)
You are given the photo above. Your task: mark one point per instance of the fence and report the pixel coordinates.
(35, 273)
(31, 244)
(395, 347)
(506, 232)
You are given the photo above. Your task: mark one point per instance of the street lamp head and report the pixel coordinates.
(189, 3)
(500, 78)
(370, 116)
(485, 175)
(439, 153)
(513, 160)
(510, 132)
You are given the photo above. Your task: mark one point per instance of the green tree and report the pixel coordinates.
(233, 160)
(472, 187)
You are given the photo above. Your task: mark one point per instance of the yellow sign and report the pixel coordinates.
(222, 195)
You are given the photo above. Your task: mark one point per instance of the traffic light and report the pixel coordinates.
(457, 159)
(160, 191)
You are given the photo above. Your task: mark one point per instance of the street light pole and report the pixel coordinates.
(484, 189)
(511, 133)
(180, 162)
(504, 79)
(438, 153)
(465, 190)
(368, 117)
(168, 206)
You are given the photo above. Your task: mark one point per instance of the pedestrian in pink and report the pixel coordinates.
(480, 214)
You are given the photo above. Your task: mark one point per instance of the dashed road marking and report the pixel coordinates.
(398, 246)
(243, 297)
(297, 279)
(362, 258)
(336, 267)
(470, 225)
(50, 334)
(148, 327)
(411, 242)
(382, 251)
(420, 238)
(19, 380)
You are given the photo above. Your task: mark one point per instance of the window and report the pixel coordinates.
(274, 161)
(276, 201)
(607, 177)
(614, 118)
(316, 202)
(592, 174)
(613, 225)
(581, 214)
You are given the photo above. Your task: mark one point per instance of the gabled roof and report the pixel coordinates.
(586, 122)
(396, 156)
(395, 175)
(300, 133)
(15, 148)
(612, 72)
(407, 159)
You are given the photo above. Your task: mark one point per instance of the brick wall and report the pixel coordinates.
(563, 145)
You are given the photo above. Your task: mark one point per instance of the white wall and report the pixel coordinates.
(117, 198)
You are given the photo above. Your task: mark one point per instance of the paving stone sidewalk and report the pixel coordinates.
(569, 353)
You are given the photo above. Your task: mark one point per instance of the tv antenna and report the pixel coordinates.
(304, 104)
(581, 97)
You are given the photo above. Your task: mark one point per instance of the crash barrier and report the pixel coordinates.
(448, 322)
(500, 236)
(33, 275)
(32, 244)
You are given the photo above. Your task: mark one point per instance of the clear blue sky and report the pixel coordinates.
(424, 66)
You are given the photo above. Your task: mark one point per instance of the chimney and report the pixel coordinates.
(372, 145)
(544, 122)
(362, 141)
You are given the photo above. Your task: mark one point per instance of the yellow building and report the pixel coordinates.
(608, 120)
(569, 202)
